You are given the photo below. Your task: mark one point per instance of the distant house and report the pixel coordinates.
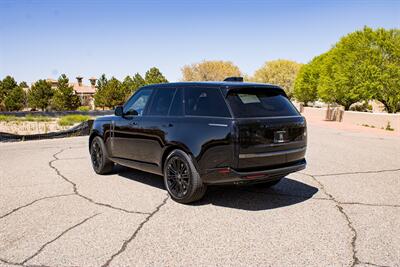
(85, 92)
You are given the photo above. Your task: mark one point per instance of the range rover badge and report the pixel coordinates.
(279, 136)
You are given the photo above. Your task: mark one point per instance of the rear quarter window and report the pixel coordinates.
(207, 102)
(247, 103)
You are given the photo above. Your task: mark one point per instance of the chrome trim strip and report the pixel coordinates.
(218, 124)
(270, 154)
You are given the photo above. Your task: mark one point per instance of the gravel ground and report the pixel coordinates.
(343, 210)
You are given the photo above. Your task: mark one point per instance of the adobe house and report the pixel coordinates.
(85, 92)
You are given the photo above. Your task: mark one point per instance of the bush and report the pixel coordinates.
(364, 107)
(7, 118)
(72, 119)
(389, 127)
(83, 108)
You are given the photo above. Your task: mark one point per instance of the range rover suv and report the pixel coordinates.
(203, 133)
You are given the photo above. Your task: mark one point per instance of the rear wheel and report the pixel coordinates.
(181, 178)
(99, 156)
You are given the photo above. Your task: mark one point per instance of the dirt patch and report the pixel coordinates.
(31, 127)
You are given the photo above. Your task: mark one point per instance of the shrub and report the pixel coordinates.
(361, 107)
(72, 119)
(83, 108)
(7, 118)
(389, 127)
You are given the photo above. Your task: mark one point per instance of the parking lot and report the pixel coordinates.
(343, 210)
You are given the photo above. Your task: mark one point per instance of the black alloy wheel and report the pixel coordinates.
(99, 156)
(181, 178)
(178, 179)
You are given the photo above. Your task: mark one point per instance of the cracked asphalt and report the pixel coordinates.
(343, 210)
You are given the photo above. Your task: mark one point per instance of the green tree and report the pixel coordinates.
(40, 94)
(363, 65)
(210, 71)
(280, 72)
(128, 86)
(307, 81)
(23, 84)
(6, 86)
(15, 100)
(99, 96)
(138, 81)
(154, 76)
(380, 70)
(114, 93)
(64, 96)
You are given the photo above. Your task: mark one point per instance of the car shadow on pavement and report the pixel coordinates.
(140, 176)
(246, 197)
(254, 197)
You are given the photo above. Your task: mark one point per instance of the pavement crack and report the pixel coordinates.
(56, 238)
(350, 225)
(76, 191)
(133, 236)
(31, 203)
(371, 204)
(349, 173)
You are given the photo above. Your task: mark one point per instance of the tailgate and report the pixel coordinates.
(270, 141)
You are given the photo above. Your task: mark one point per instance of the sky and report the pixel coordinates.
(43, 39)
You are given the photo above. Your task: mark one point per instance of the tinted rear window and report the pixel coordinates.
(177, 104)
(207, 102)
(260, 103)
(161, 101)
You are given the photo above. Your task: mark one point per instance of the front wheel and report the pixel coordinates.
(99, 156)
(181, 178)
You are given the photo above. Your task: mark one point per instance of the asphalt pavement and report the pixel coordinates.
(342, 210)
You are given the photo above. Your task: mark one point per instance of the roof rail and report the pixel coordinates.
(233, 79)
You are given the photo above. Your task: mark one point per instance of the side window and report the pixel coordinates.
(177, 104)
(161, 101)
(205, 102)
(137, 103)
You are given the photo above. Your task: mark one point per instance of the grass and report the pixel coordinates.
(39, 118)
(69, 120)
(29, 117)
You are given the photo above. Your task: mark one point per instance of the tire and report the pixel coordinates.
(269, 184)
(99, 156)
(181, 178)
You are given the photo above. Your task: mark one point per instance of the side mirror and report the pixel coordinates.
(119, 111)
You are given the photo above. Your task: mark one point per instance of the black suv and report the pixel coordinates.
(203, 133)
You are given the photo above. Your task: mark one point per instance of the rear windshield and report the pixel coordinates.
(260, 103)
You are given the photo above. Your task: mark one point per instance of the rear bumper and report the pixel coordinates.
(229, 176)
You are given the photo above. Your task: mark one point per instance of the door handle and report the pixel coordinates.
(133, 123)
(167, 125)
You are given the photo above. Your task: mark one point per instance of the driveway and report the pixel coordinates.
(343, 210)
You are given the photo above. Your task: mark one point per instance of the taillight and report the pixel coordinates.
(255, 176)
(224, 170)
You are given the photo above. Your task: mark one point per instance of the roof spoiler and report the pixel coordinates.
(234, 79)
